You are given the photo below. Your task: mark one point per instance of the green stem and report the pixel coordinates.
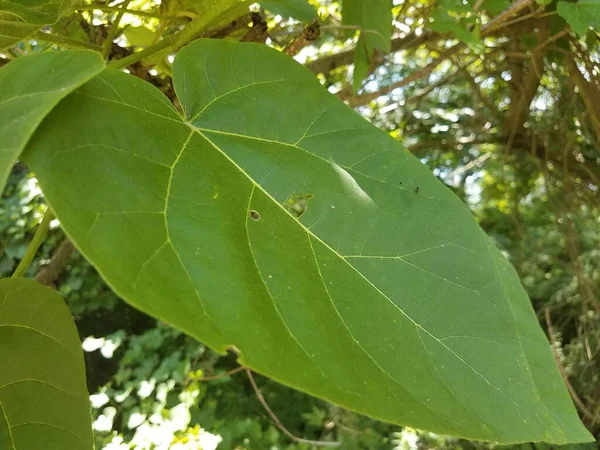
(114, 29)
(132, 12)
(34, 245)
(64, 42)
(168, 44)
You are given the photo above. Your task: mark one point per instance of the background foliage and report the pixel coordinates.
(506, 116)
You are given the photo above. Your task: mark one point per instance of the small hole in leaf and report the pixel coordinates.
(297, 204)
(417, 190)
(254, 215)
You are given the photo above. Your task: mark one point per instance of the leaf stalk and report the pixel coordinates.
(34, 245)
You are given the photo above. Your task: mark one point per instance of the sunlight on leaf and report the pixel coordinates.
(384, 296)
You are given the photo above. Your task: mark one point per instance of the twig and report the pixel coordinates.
(451, 144)
(112, 32)
(550, 40)
(475, 162)
(331, 62)
(235, 25)
(34, 245)
(64, 42)
(310, 33)
(132, 12)
(586, 412)
(259, 31)
(171, 43)
(425, 71)
(509, 12)
(223, 375)
(50, 272)
(421, 73)
(277, 422)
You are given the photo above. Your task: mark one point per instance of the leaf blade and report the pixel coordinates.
(31, 87)
(333, 302)
(580, 15)
(375, 22)
(18, 21)
(43, 396)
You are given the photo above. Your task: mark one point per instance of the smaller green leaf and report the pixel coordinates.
(44, 401)
(495, 7)
(20, 19)
(442, 22)
(581, 15)
(374, 19)
(139, 36)
(298, 9)
(31, 87)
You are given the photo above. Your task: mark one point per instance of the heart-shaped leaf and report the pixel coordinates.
(580, 15)
(274, 220)
(43, 397)
(31, 87)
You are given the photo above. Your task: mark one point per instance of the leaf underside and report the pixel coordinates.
(43, 397)
(381, 294)
(31, 87)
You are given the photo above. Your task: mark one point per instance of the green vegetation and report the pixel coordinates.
(255, 223)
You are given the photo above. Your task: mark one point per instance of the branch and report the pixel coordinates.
(64, 42)
(586, 412)
(279, 425)
(259, 31)
(113, 31)
(589, 93)
(331, 62)
(49, 273)
(35, 244)
(508, 13)
(223, 375)
(132, 12)
(485, 31)
(172, 43)
(477, 90)
(443, 143)
(235, 25)
(421, 73)
(525, 92)
(310, 33)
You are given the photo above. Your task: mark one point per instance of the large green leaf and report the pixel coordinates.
(21, 18)
(374, 18)
(30, 87)
(580, 15)
(275, 221)
(44, 401)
